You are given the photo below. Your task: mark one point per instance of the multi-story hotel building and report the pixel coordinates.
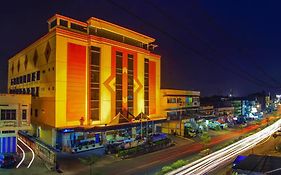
(14, 116)
(82, 74)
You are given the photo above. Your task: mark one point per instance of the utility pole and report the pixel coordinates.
(141, 125)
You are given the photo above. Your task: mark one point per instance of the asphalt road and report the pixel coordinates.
(37, 167)
(218, 158)
(25, 155)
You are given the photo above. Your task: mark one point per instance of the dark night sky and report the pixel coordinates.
(210, 46)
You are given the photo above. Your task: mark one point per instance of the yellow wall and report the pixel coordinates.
(170, 127)
(46, 83)
(105, 95)
(46, 135)
(61, 79)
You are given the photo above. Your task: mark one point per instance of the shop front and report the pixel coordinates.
(82, 139)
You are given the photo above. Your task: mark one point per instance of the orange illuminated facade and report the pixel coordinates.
(83, 74)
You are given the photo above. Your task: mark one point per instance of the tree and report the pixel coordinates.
(90, 161)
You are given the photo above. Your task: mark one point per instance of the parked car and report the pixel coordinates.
(7, 160)
(215, 124)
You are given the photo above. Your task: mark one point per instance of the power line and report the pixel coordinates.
(185, 46)
(220, 30)
(206, 42)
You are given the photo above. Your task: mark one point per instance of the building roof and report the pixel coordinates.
(178, 92)
(259, 164)
(102, 24)
(99, 23)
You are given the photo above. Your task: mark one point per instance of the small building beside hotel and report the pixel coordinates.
(15, 116)
(178, 105)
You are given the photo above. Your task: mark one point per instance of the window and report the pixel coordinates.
(8, 132)
(21, 79)
(53, 23)
(146, 86)
(130, 83)
(28, 77)
(95, 114)
(130, 64)
(95, 56)
(95, 82)
(28, 90)
(95, 76)
(63, 23)
(37, 92)
(38, 75)
(36, 112)
(33, 76)
(33, 91)
(116, 37)
(119, 61)
(94, 94)
(78, 27)
(24, 79)
(118, 86)
(3, 114)
(7, 114)
(23, 114)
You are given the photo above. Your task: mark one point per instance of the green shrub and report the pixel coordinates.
(218, 128)
(178, 164)
(166, 169)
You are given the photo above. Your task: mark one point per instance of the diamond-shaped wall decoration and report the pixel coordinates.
(18, 65)
(12, 68)
(25, 62)
(47, 52)
(35, 57)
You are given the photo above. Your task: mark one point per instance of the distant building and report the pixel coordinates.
(84, 78)
(177, 105)
(237, 105)
(207, 110)
(224, 111)
(15, 116)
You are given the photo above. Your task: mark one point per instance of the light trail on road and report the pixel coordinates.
(23, 156)
(33, 155)
(218, 158)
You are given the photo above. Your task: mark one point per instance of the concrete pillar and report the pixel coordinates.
(134, 132)
(54, 137)
(103, 137)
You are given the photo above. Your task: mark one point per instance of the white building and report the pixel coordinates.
(14, 116)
